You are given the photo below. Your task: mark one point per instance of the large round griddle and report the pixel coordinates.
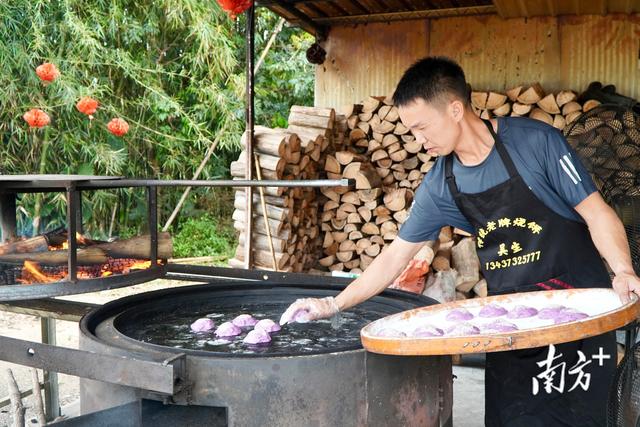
(611, 319)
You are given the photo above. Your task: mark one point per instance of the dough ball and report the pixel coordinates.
(203, 325)
(462, 329)
(257, 336)
(228, 329)
(492, 310)
(244, 321)
(459, 315)
(267, 325)
(521, 312)
(498, 326)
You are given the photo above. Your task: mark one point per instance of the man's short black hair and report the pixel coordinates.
(435, 79)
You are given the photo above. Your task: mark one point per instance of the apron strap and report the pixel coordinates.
(506, 158)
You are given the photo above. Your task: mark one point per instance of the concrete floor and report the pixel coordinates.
(468, 397)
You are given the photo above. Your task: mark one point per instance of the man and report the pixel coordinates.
(539, 224)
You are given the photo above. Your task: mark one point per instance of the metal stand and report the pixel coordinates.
(50, 379)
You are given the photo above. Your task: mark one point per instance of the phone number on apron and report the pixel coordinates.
(513, 261)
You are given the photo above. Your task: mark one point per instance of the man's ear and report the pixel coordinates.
(456, 109)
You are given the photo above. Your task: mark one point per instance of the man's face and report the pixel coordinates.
(436, 127)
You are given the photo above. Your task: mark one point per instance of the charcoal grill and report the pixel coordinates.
(342, 385)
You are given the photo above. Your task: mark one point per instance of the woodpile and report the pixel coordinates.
(556, 109)
(387, 164)
(295, 153)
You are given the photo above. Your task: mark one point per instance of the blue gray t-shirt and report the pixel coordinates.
(547, 164)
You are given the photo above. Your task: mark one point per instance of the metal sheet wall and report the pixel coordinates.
(565, 52)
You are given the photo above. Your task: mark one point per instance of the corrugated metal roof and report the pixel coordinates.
(316, 16)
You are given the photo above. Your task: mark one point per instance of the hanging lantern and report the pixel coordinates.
(88, 106)
(47, 72)
(234, 7)
(118, 127)
(36, 118)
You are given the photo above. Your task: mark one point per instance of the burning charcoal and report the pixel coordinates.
(551, 311)
(257, 336)
(498, 326)
(267, 325)
(203, 325)
(521, 312)
(569, 315)
(427, 331)
(244, 321)
(462, 329)
(459, 314)
(492, 310)
(228, 329)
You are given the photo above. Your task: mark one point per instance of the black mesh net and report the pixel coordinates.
(607, 140)
(624, 399)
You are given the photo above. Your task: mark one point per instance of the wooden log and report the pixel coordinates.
(17, 408)
(397, 199)
(264, 258)
(310, 120)
(532, 95)
(327, 261)
(346, 157)
(261, 241)
(479, 100)
(590, 104)
(33, 244)
(480, 288)
(565, 96)
(503, 110)
(88, 256)
(570, 107)
(513, 94)
(370, 228)
(274, 212)
(442, 258)
(521, 109)
(138, 247)
(441, 286)
(495, 100)
(370, 105)
(268, 141)
(549, 105)
(465, 260)
(539, 114)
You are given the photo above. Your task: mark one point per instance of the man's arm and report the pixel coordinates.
(610, 239)
(378, 275)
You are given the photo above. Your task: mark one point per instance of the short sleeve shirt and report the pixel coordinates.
(548, 165)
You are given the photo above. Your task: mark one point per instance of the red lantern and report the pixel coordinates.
(118, 127)
(88, 106)
(235, 7)
(36, 118)
(47, 72)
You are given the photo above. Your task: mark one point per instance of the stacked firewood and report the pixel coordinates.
(558, 110)
(291, 154)
(387, 164)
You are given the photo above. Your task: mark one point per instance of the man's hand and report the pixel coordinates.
(624, 284)
(307, 309)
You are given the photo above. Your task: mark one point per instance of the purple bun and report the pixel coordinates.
(499, 326)
(427, 331)
(203, 325)
(521, 312)
(257, 336)
(492, 310)
(569, 315)
(228, 329)
(459, 314)
(551, 312)
(267, 325)
(462, 329)
(244, 321)
(300, 316)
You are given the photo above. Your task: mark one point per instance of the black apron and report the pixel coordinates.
(525, 246)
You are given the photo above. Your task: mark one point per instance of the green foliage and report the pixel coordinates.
(205, 235)
(175, 70)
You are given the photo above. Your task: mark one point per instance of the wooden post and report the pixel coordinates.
(249, 115)
(37, 398)
(17, 409)
(264, 214)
